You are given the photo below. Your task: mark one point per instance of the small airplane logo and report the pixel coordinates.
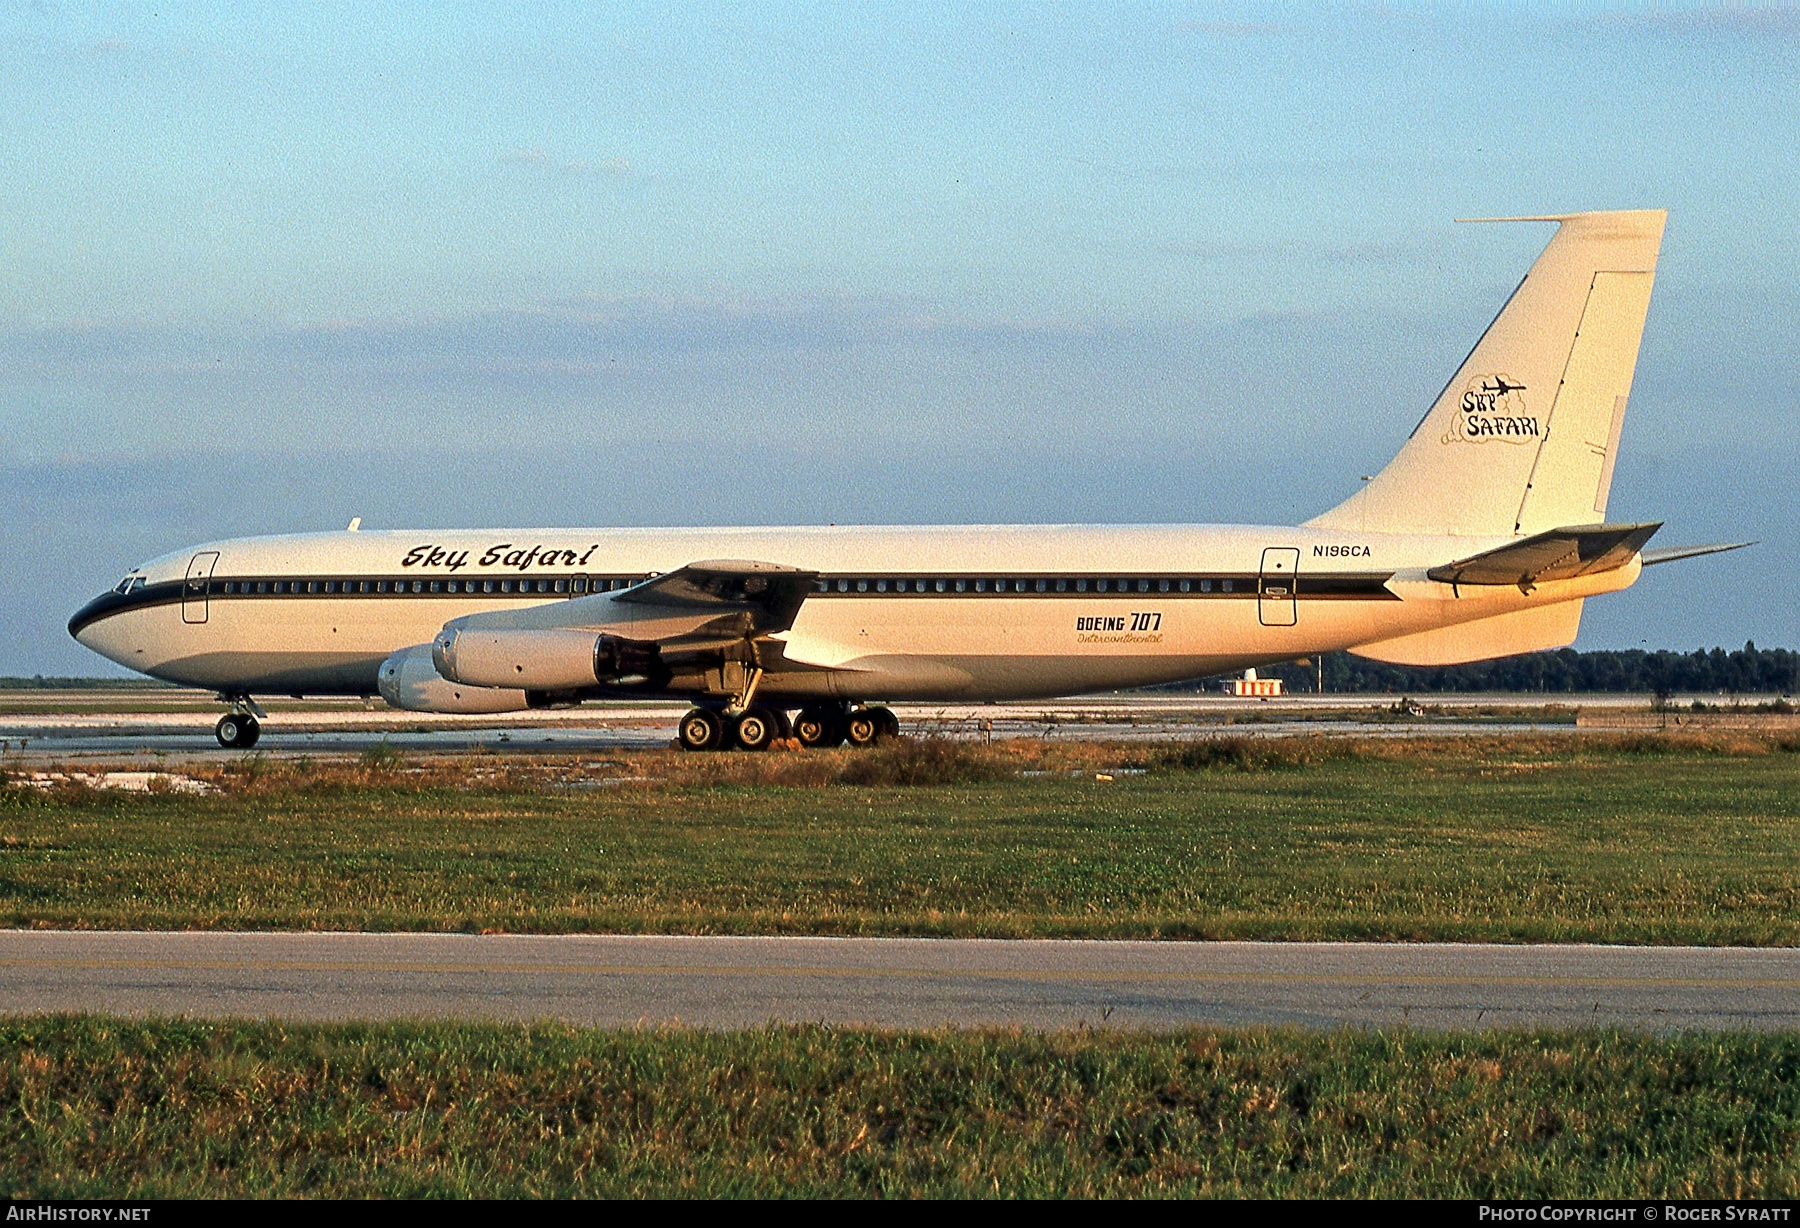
(1499, 387)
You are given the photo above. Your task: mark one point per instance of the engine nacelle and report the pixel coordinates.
(549, 660)
(410, 681)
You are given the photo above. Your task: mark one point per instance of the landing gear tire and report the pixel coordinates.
(755, 729)
(819, 728)
(862, 728)
(237, 732)
(890, 724)
(701, 729)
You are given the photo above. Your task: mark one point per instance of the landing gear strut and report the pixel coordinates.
(237, 731)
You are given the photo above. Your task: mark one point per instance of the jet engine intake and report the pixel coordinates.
(409, 680)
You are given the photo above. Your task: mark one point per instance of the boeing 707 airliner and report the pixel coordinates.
(1482, 538)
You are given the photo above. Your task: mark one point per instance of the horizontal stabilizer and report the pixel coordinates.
(1504, 635)
(1558, 554)
(1671, 554)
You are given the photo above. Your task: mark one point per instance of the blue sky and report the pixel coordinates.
(264, 270)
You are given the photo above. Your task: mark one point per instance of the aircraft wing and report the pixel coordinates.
(741, 597)
(768, 595)
(1558, 554)
(691, 615)
(1670, 554)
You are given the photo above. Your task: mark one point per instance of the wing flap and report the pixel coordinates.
(1557, 554)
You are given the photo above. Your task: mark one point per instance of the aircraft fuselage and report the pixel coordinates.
(935, 613)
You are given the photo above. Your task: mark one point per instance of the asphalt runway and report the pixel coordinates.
(178, 725)
(723, 982)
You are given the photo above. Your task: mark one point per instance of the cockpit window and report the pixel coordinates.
(130, 584)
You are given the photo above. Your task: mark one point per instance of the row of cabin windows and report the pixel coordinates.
(1062, 585)
(546, 586)
(580, 585)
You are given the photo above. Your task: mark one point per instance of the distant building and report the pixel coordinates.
(1250, 686)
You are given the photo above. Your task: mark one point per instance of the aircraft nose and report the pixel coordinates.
(95, 628)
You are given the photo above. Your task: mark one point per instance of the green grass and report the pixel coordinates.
(1630, 840)
(96, 1107)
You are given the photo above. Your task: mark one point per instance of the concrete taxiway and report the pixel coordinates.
(726, 982)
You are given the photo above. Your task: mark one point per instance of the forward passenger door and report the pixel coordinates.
(194, 590)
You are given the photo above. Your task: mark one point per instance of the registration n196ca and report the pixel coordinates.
(1482, 538)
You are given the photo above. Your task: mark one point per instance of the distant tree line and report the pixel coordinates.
(1747, 670)
(38, 682)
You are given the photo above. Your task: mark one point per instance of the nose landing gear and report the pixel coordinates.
(237, 731)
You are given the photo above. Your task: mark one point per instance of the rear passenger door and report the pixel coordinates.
(1275, 586)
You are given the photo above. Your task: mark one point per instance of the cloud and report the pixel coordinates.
(1318, 251)
(1236, 29)
(1763, 23)
(538, 158)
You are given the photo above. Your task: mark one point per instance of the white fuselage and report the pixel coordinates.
(964, 613)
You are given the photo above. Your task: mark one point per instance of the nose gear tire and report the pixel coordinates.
(236, 732)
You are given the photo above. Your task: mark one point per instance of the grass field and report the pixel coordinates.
(1639, 839)
(93, 1107)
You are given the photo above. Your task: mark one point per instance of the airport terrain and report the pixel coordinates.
(1645, 837)
(1376, 826)
(94, 1107)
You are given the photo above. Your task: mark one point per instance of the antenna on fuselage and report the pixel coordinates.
(355, 525)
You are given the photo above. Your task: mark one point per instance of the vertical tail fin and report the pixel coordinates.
(1524, 436)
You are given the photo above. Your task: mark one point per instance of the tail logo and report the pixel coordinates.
(1493, 408)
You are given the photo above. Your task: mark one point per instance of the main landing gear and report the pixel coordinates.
(756, 727)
